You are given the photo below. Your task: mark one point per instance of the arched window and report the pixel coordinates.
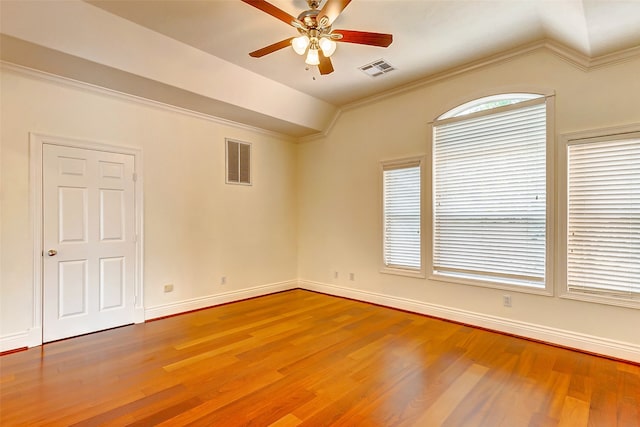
(490, 192)
(488, 103)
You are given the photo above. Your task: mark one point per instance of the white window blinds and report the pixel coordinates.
(402, 216)
(603, 241)
(490, 196)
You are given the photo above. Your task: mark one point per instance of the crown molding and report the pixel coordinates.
(573, 57)
(88, 87)
(587, 63)
(324, 133)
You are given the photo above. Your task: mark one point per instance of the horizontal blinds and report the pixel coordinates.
(603, 241)
(490, 196)
(402, 216)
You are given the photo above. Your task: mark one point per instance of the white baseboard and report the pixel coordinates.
(29, 338)
(33, 337)
(588, 343)
(212, 300)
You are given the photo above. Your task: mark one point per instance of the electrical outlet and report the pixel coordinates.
(352, 276)
(223, 280)
(506, 300)
(168, 288)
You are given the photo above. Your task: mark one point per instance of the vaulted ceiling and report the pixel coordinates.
(194, 54)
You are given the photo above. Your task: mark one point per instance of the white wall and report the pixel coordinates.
(340, 199)
(196, 227)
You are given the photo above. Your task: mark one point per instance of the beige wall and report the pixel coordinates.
(340, 198)
(315, 208)
(196, 227)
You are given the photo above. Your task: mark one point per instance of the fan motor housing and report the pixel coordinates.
(308, 17)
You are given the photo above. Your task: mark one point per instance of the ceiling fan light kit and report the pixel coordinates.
(316, 38)
(312, 57)
(300, 44)
(328, 46)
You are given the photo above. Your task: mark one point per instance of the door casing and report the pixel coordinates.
(37, 140)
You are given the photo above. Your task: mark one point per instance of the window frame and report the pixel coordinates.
(401, 163)
(548, 97)
(583, 137)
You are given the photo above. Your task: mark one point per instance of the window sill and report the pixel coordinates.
(492, 285)
(418, 274)
(601, 299)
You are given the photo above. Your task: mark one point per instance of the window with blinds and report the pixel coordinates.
(603, 217)
(402, 193)
(238, 162)
(489, 213)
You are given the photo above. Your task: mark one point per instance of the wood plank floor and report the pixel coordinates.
(299, 358)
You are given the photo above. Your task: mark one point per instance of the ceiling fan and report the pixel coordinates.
(317, 39)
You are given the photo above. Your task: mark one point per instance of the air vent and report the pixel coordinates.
(238, 162)
(377, 68)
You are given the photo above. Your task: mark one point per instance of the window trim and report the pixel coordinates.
(567, 139)
(398, 164)
(548, 289)
(458, 112)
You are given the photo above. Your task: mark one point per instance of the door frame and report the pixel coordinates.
(36, 144)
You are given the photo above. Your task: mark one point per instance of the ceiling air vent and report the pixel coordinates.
(377, 68)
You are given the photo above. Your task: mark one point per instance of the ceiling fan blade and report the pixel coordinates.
(330, 11)
(364, 37)
(271, 48)
(271, 10)
(325, 66)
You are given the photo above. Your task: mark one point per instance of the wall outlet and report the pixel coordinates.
(223, 280)
(352, 276)
(506, 300)
(168, 288)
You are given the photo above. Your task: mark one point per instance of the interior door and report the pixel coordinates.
(89, 241)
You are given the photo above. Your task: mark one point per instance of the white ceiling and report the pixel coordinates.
(194, 54)
(429, 35)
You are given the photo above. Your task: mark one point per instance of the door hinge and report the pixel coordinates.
(135, 177)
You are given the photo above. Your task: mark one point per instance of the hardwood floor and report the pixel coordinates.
(302, 358)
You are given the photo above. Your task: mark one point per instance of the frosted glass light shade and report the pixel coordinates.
(328, 46)
(300, 44)
(312, 57)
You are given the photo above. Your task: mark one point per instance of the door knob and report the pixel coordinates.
(52, 252)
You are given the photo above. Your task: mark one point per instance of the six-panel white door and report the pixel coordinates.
(89, 241)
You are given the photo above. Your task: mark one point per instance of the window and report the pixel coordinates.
(603, 218)
(402, 221)
(488, 103)
(238, 162)
(489, 193)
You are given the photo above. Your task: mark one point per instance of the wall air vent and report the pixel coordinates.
(238, 162)
(377, 68)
